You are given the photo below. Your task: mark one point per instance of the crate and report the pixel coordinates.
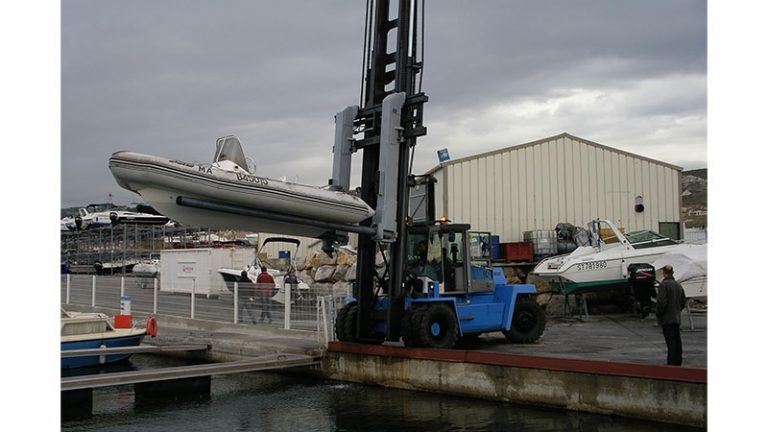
(519, 251)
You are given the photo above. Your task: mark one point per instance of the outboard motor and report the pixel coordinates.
(642, 279)
(78, 222)
(113, 217)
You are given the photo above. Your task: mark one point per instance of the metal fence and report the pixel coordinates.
(237, 306)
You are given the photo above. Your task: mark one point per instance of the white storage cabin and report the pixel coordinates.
(181, 268)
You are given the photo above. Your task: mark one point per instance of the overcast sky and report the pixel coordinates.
(169, 77)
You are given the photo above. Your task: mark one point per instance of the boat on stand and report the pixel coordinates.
(605, 262)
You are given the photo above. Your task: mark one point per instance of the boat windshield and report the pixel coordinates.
(229, 148)
(647, 238)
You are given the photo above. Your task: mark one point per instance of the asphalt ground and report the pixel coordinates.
(615, 338)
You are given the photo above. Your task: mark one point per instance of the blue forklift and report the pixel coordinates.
(435, 290)
(452, 295)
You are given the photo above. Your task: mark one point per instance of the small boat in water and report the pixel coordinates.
(604, 264)
(168, 185)
(89, 330)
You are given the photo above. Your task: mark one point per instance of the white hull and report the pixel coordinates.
(606, 265)
(161, 181)
(590, 265)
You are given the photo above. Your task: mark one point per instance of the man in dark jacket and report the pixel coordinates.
(669, 302)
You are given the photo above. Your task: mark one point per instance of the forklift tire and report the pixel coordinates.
(345, 323)
(406, 329)
(527, 323)
(435, 326)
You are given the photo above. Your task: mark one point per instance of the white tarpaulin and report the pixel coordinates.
(690, 268)
(688, 263)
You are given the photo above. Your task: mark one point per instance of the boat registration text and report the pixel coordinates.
(591, 266)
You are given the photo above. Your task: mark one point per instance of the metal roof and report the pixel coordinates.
(552, 138)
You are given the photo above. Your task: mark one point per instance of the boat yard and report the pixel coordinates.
(525, 273)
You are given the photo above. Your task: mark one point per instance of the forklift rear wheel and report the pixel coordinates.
(527, 323)
(345, 323)
(435, 326)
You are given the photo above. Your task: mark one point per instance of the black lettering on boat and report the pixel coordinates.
(204, 169)
(252, 179)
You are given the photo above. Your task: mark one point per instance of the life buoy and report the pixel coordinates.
(152, 326)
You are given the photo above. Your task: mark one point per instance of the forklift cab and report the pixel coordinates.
(441, 252)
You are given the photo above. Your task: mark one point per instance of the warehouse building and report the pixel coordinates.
(564, 178)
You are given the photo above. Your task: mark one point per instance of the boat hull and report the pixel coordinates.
(162, 181)
(109, 342)
(598, 271)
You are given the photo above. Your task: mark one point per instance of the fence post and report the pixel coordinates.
(287, 310)
(122, 286)
(192, 303)
(67, 296)
(237, 309)
(154, 296)
(93, 291)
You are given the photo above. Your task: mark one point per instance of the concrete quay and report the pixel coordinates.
(608, 364)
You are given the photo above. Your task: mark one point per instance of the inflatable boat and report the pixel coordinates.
(226, 195)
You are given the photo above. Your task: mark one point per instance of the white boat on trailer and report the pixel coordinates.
(225, 194)
(604, 264)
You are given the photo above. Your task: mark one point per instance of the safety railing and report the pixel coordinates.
(287, 308)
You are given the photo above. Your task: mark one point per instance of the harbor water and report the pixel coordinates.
(268, 401)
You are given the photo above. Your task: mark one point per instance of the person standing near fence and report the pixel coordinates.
(245, 297)
(670, 301)
(265, 287)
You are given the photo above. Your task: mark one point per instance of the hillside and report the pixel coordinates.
(694, 194)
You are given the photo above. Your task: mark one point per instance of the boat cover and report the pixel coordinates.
(688, 263)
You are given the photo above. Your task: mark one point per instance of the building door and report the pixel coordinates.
(670, 229)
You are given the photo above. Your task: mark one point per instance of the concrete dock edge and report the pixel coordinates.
(649, 392)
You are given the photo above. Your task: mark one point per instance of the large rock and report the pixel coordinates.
(342, 288)
(325, 273)
(340, 273)
(351, 273)
(301, 263)
(542, 288)
(306, 277)
(317, 259)
(345, 257)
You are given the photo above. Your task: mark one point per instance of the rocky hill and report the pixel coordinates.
(694, 184)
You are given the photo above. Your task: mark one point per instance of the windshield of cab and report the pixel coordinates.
(423, 254)
(229, 148)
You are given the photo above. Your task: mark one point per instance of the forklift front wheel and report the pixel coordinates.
(435, 326)
(527, 323)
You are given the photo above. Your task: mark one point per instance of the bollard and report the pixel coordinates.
(93, 291)
(237, 309)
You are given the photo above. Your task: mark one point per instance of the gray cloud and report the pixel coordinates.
(167, 78)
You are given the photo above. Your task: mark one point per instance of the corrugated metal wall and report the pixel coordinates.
(559, 179)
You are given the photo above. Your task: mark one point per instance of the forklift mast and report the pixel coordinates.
(390, 119)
